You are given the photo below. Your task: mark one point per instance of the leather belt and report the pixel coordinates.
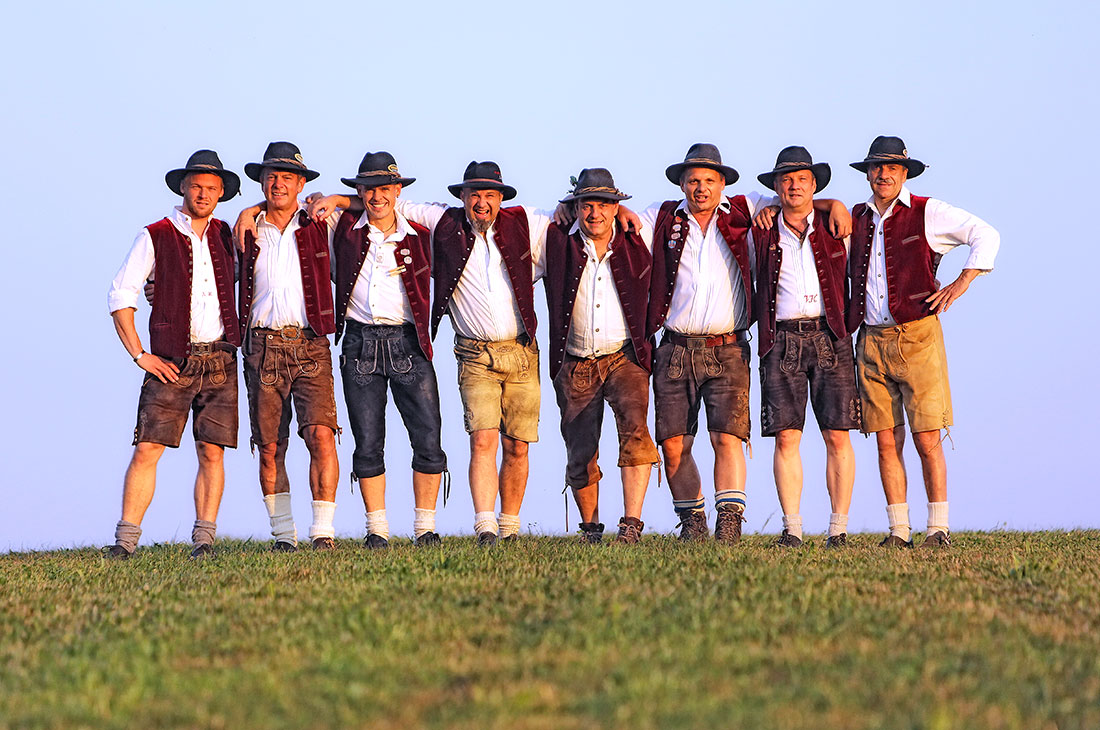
(206, 348)
(289, 333)
(701, 341)
(815, 324)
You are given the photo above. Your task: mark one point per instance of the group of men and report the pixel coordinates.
(666, 295)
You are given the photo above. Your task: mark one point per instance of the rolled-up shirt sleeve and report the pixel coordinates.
(538, 222)
(426, 214)
(129, 283)
(946, 227)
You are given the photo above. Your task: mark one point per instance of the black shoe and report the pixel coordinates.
(694, 526)
(837, 541)
(787, 540)
(937, 539)
(630, 531)
(202, 551)
(486, 539)
(511, 539)
(283, 546)
(324, 543)
(895, 542)
(591, 533)
(117, 552)
(429, 539)
(727, 525)
(376, 542)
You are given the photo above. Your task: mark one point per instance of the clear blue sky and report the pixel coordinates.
(101, 99)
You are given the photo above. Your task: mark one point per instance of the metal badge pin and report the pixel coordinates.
(408, 260)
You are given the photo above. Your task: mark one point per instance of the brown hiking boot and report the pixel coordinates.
(202, 551)
(727, 525)
(895, 542)
(324, 543)
(694, 526)
(591, 533)
(936, 540)
(787, 540)
(630, 531)
(837, 541)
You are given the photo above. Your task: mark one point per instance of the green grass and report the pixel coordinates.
(1000, 631)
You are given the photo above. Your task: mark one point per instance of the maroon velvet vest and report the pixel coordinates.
(350, 246)
(669, 236)
(170, 320)
(312, 239)
(454, 239)
(631, 265)
(831, 262)
(910, 263)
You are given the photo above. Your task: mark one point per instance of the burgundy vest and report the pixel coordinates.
(312, 239)
(831, 262)
(910, 263)
(350, 246)
(669, 236)
(452, 243)
(170, 320)
(631, 265)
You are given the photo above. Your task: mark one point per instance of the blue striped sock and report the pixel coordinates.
(730, 499)
(688, 505)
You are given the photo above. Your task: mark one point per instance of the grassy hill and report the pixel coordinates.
(1001, 631)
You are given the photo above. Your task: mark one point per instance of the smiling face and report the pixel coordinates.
(796, 189)
(482, 207)
(702, 188)
(379, 201)
(201, 192)
(282, 188)
(596, 216)
(886, 180)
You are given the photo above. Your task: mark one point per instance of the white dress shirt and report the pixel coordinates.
(598, 326)
(379, 295)
(278, 299)
(945, 227)
(483, 305)
(799, 292)
(709, 295)
(128, 285)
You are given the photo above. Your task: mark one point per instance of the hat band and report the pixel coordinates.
(887, 156)
(582, 191)
(284, 160)
(372, 173)
(204, 166)
(702, 160)
(481, 180)
(781, 165)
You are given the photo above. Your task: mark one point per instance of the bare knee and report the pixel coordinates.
(673, 450)
(928, 443)
(724, 442)
(788, 440)
(319, 439)
(146, 454)
(209, 454)
(514, 449)
(836, 441)
(269, 453)
(484, 442)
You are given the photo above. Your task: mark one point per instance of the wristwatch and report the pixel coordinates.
(138, 356)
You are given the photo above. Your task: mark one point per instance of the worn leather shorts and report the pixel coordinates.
(207, 387)
(499, 386)
(716, 377)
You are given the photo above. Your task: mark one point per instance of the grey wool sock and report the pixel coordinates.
(127, 535)
(203, 533)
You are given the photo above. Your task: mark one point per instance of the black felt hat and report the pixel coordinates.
(204, 161)
(701, 154)
(594, 182)
(281, 156)
(482, 176)
(377, 168)
(890, 150)
(793, 159)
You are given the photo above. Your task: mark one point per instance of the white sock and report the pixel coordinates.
(377, 524)
(793, 525)
(509, 525)
(282, 520)
(898, 514)
(423, 521)
(486, 522)
(322, 520)
(937, 517)
(838, 524)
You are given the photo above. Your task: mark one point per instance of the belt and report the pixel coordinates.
(523, 339)
(699, 342)
(206, 348)
(290, 333)
(815, 324)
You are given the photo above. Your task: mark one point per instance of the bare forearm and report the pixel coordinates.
(127, 332)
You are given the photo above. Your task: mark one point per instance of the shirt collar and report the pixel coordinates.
(723, 206)
(904, 197)
(403, 228)
(182, 221)
(262, 217)
(576, 228)
(787, 229)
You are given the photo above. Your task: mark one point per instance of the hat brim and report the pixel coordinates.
(612, 197)
(915, 167)
(230, 181)
(255, 170)
(377, 181)
(674, 172)
(506, 191)
(821, 171)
